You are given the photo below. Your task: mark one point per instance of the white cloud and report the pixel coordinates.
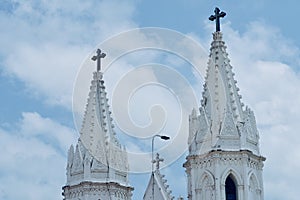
(32, 164)
(47, 70)
(43, 42)
(33, 125)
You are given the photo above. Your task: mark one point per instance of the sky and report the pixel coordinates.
(44, 80)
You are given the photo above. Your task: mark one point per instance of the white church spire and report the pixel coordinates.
(97, 132)
(224, 162)
(99, 164)
(222, 117)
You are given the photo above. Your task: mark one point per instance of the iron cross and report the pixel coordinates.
(157, 160)
(98, 58)
(217, 17)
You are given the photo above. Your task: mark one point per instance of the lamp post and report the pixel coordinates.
(163, 137)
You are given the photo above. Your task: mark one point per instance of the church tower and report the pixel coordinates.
(224, 161)
(97, 168)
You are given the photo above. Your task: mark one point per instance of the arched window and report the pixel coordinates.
(230, 189)
(253, 188)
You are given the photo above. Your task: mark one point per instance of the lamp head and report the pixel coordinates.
(164, 137)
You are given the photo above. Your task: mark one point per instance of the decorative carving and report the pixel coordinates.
(97, 166)
(102, 190)
(228, 125)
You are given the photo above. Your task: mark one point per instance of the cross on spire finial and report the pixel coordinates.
(157, 160)
(98, 58)
(217, 17)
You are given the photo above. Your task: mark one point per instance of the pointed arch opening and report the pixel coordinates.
(254, 191)
(230, 188)
(204, 187)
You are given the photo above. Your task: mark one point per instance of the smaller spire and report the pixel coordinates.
(98, 58)
(217, 17)
(157, 186)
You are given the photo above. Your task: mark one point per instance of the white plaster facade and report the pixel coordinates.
(97, 167)
(223, 138)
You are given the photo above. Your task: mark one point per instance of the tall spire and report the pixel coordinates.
(222, 115)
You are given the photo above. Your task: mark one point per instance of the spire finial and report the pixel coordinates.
(217, 17)
(98, 58)
(157, 160)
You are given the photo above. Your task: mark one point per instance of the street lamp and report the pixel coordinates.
(163, 137)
